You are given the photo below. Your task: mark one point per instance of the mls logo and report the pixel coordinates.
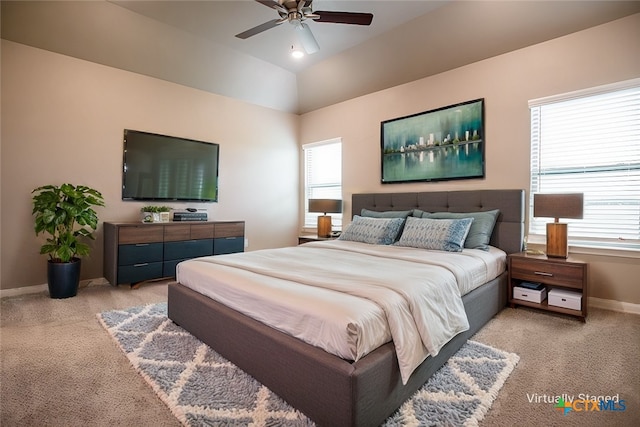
(589, 405)
(612, 405)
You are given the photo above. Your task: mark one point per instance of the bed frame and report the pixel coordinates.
(329, 390)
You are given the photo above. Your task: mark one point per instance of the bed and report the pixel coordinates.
(339, 391)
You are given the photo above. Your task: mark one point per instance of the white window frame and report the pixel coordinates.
(581, 237)
(327, 190)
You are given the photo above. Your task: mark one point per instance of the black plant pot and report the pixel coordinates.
(63, 278)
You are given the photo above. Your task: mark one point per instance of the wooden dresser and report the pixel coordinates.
(135, 252)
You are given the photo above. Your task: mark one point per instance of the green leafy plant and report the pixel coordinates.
(66, 214)
(155, 209)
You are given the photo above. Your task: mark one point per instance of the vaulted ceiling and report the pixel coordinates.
(193, 43)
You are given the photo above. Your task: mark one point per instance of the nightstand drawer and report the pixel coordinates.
(564, 274)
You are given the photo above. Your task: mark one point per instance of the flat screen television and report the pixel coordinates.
(161, 167)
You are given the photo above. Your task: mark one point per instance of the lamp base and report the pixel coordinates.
(324, 226)
(557, 244)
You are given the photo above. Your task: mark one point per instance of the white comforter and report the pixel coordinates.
(349, 298)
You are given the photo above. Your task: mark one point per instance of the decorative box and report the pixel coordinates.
(566, 299)
(529, 294)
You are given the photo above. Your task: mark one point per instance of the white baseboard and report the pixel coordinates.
(609, 304)
(16, 292)
(35, 289)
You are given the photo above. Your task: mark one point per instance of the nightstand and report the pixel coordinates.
(554, 273)
(313, 238)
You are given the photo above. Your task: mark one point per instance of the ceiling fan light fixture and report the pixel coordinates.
(296, 53)
(306, 38)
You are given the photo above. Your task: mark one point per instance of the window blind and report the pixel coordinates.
(591, 144)
(323, 178)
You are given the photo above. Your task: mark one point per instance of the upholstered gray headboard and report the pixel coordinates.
(508, 233)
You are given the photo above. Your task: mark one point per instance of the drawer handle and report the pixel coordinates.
(542, 273)
(230, 238)
(141, 265)
(141, 244)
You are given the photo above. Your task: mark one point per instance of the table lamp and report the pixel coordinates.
(567, 205)
(325, 206)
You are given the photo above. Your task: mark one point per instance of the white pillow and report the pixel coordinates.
(376, 231)
(439, 234)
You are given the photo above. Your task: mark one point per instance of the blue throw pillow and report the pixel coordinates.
(376, 231)
(438, 234)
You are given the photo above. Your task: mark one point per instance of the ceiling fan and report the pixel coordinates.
(296, 12)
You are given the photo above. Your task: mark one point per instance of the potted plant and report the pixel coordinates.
(66, 214)
(155, 213)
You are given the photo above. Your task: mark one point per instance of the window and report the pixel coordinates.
(589, 142)
(323, 177)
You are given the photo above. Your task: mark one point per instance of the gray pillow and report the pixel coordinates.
(419, 213)
(481, 228)
(385, 214)
(438, 234)
(376, 231)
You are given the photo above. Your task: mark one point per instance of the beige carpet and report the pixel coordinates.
(59, 367)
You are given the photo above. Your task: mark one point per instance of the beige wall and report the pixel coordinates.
(63, 121)
(601, 55)
(53, 105)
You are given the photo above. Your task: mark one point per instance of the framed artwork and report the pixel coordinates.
(442, 144)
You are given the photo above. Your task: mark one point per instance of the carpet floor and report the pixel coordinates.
(60, 368)
(202, 388)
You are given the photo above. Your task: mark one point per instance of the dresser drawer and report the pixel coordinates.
(139, 272)
(228, 245)
(169, 267)
(202, 231)
(178, 232)
(188, 249)
(141, 234)
(562, 274)
(139, 253)
(229, 229)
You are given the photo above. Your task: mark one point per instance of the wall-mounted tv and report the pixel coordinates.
(161, 167)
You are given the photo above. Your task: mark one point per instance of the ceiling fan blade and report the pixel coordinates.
(306, 38)
(260, 28)
(355, 18)
(273, 4)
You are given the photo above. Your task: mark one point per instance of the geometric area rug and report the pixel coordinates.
(201, 388)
